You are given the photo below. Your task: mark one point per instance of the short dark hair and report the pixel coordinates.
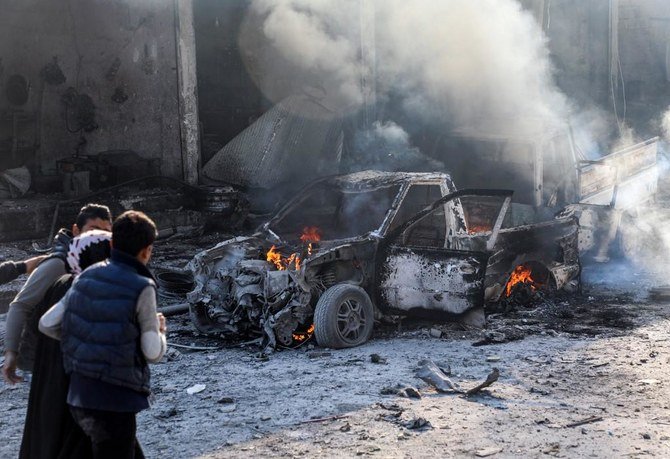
(132, 231)
(91, 212)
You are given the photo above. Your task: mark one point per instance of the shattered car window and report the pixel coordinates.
(339, 213)
(430, 231)
(480, 212)
(418, 198)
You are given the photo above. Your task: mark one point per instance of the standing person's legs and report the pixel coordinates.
(112, 434)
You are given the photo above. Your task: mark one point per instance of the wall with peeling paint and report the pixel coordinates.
(120, 53)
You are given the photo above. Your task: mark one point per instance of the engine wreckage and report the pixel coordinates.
(348, 248)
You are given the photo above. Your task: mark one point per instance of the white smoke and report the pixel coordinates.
(448, 61)
(665, 125)
(387, 146)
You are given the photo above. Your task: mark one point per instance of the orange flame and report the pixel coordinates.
(474, 229)
(310, 234)
(521, 274)
(299, 337)
(282, 263)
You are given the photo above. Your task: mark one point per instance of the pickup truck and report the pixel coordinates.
(549, 173)
(348, 248)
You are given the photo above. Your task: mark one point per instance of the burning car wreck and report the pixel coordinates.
(349, 248)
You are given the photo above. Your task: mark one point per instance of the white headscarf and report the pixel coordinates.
(88, 248)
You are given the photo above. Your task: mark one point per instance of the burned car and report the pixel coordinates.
(349, 248)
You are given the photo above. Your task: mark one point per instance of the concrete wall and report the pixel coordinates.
(644, 48)
(106, 49)
(581, 42)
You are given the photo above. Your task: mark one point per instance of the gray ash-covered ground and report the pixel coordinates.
(601, 358)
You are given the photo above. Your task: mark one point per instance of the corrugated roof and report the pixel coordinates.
(298, 139)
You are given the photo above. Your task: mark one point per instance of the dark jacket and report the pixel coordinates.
(100, 333)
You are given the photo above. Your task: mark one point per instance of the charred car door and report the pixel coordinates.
(418, 272)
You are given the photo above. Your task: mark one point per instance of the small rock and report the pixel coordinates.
(376, 358)
(266, 418)
(167, 413)
(226, 400)
(345, 428)
(195, 389)
(646, 436)
(435, 333)
(493, 358)
(649, 382)
(418, 423)
(401, 390)
(486, 452)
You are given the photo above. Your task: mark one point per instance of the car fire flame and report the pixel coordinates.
(299, 337)
(521, 275)
(310, 234)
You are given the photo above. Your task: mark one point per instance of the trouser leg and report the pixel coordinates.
(112, 434)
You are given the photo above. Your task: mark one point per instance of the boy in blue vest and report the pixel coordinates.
(109, 330)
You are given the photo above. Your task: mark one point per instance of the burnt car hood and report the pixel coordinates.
(239, 294)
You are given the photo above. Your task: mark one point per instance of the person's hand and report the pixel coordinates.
(9, 368)
(162, 324)
(32, 263)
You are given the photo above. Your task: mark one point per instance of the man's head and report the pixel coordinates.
(133, 233)
(92, 216)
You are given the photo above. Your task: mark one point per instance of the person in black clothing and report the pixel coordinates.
(49, 430)
(10, 270)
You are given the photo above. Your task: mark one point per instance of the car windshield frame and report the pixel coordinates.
(339, 189)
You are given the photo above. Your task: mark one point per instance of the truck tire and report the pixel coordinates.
(344, 317)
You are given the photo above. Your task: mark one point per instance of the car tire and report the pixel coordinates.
(344, 317)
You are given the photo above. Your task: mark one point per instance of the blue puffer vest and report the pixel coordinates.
(100, 332)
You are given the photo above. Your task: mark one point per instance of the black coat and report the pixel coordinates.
(50, 431)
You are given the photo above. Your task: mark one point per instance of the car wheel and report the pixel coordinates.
(344, 317)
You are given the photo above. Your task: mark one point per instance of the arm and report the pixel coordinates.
(10, 270)
(50, 322)
(30, 295)
(20, 309)
(153, 341)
